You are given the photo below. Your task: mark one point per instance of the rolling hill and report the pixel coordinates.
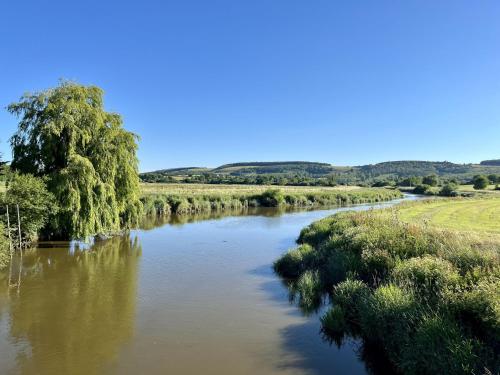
(391, 170)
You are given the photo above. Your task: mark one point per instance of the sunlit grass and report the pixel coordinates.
(192, 190)
(480, 215)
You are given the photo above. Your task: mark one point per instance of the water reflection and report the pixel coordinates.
(153, 221)
(203, 298)
(74, 308)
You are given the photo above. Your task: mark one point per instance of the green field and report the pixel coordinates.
(480, 215)
(470, 188)
(194, 190)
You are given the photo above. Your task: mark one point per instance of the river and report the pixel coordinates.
(184, 295)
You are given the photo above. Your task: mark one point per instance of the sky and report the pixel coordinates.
(211, 82)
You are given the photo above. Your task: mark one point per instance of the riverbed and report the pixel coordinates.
(183, 295)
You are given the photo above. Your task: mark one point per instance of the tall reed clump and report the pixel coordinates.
(194, 202)
(429, 298)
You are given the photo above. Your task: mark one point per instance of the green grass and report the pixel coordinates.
(192, 198)
(403, 281)
(479, 215)
(470, 188)
(194, 190)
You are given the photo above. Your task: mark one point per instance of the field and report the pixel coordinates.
(194, 190)
(480, 215)
(470, 188)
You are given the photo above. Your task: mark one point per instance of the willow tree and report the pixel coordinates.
(86, 156)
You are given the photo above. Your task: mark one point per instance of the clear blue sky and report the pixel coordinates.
(210, 82)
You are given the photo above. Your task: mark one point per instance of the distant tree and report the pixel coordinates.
(431, 180)
(480, 182)
(421, 189)
(448, 190)
(493, 178)
(87, 158)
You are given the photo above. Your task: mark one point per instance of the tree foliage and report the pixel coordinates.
(87, 158)
(36, 204)
(480, 182)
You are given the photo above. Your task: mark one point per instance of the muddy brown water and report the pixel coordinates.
(184, 295)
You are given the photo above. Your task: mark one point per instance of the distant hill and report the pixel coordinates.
(391, 170)
(284, 167)
(494, 162)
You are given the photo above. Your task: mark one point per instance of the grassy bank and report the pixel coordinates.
(192, 198)
(430, 297)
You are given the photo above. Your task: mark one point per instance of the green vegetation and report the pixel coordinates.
(480, 182)
(478, 215)
(36, 205)
(403, 173)
(190, 198)
(429, 297)
(4, 248)
(85, 156)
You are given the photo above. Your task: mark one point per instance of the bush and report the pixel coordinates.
(421, 189)
(480, 182)
(438, 347)
(36, 205)
(448, 190)
(350, 295)
(388, 317)
(295, 262)
(478, 309)
(272, 198)
(431, 180)
(429, 276)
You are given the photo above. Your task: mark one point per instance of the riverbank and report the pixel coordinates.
(161, 199)
(400, 278)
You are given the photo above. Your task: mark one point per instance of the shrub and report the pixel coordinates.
(438, 347)
(350, 295)
(295, 262)
(421, 189)
(271, 198)
(478, 309)
(448, 190)
(36, 205)
(388, 317)
(431, 180)
(480, 182)
(429, 276)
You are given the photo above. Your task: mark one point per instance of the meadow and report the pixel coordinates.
(421, 281)
(477, 215)
(192, 198)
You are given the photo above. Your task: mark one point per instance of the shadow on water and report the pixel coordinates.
(317, 351)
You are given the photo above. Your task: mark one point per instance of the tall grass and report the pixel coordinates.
(430, 298)
(202, 198)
